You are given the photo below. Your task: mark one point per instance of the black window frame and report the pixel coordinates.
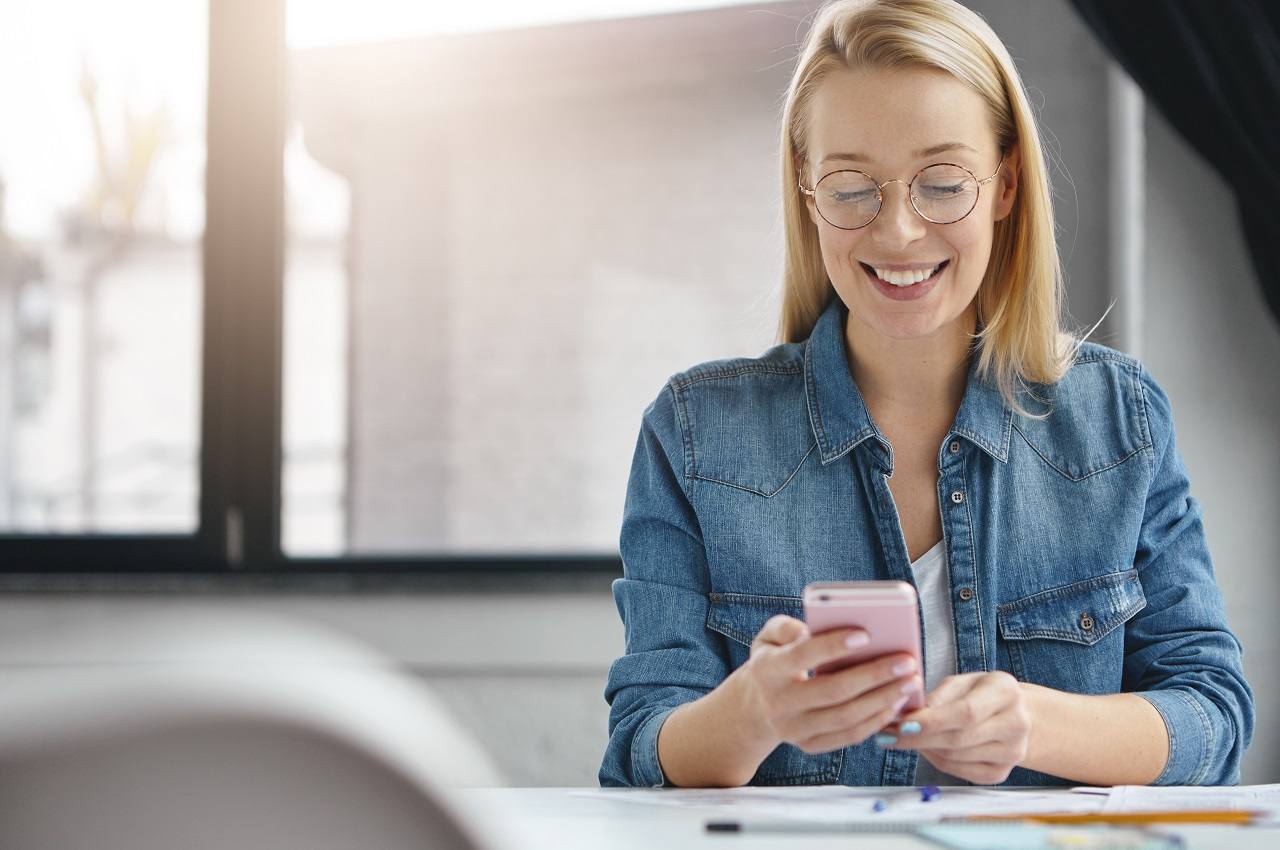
(237, 543)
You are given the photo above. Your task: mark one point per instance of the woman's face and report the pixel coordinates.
(890, 124)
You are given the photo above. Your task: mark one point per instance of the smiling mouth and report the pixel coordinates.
(905, 278)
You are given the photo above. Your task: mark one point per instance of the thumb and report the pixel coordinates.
(781, 630)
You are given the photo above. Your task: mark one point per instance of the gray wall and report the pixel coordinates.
(1065, 72)
(1211, 343)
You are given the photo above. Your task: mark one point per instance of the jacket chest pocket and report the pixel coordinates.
(1070, 637)
(740, 617)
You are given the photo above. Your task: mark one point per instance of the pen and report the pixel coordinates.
(798, 826)
(928, 793)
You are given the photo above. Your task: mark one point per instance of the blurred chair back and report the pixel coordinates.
(210, 730)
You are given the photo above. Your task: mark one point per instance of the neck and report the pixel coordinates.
(923, 378)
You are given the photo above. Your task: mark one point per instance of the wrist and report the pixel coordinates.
(1056, 726)
(744, 713)
(1033, 702)
(714, 741)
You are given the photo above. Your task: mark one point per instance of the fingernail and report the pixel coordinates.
(897, 706)
(886, 740)
(856, 640)
(911, 686)
(904, 667)
(911, 727)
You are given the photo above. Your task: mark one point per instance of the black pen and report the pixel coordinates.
(800, 826)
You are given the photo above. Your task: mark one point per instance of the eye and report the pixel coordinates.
(941, 191)
(854, 197)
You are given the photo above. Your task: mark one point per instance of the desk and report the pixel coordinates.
(554, 819)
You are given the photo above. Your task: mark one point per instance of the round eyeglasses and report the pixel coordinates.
(942, 193)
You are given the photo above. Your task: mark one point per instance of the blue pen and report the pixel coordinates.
(928, 793)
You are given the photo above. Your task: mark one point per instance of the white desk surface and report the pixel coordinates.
(536, 818)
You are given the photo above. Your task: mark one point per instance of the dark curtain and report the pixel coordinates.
(1212, 67)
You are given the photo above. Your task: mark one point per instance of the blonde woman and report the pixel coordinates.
(925, 419)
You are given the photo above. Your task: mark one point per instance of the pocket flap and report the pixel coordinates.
(1083, 612)
(741, 616)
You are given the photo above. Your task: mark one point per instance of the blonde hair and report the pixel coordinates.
(1019, 302)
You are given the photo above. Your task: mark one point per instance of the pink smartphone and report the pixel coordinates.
(886, 610)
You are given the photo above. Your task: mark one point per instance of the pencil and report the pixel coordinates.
(1191, 816)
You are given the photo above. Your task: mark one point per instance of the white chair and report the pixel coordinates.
(209, 730)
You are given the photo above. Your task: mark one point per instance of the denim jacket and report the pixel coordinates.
(1075, 552)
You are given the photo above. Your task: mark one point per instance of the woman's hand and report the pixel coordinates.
(975, 726)
(826, 712)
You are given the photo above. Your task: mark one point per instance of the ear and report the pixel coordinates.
(1007, 184)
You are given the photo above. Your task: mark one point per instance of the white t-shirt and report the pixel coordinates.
(930, 571)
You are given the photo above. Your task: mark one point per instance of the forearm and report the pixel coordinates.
(712, 742)
(1115, 739)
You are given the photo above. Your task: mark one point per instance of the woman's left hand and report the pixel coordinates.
(975, 726)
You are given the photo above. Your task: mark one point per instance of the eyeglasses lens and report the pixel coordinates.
(941, 194)
(847, 199)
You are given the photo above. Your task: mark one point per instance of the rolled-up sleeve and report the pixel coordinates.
(671, 657)
(1179, 653)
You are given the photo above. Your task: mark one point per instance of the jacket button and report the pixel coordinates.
(954, 448)
(1086, 622)
(957, 497)
(966, 593)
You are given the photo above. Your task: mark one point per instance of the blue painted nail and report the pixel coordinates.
(911, 727)
(886, 740)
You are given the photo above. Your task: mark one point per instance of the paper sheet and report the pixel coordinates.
(845, 804)
(1134, 798)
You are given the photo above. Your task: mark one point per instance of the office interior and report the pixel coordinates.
(497, 234)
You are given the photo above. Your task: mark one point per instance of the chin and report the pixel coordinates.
(906, 327)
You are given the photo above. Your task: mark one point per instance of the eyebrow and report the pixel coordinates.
(929, 151)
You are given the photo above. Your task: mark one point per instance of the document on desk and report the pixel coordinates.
(845, 804)
(1135, 798)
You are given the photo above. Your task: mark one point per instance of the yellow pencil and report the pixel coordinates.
(1190, 816)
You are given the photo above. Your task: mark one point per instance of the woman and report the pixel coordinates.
(925, 419)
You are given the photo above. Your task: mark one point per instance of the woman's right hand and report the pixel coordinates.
(825, 712)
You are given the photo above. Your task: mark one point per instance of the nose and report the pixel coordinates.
(898, 224)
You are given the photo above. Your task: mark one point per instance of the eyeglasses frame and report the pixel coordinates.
(911, 196)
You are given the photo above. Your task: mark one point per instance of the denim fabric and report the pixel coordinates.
(1076, 553)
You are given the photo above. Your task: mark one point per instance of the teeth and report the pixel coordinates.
(905, 278)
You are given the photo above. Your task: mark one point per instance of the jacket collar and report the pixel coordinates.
(836, 410)
(983, 418)
(839, 415)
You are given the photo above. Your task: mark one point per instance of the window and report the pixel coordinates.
(101, 214)
(447, 264)
(542, 224)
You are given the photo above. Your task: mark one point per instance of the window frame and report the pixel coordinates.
(237, 543)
